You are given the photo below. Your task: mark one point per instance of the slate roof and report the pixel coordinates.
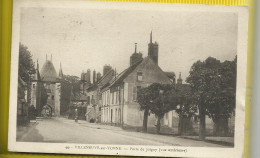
(103, 81)
(48, 72)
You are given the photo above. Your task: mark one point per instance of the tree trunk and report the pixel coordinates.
(158, 126)
(146, 113)
(180, 125)
(202, 129)
(221, 127)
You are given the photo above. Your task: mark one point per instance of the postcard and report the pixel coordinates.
(127, 78)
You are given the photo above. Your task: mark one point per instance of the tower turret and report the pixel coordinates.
(179, 81)
(153, 49)
(60, 72)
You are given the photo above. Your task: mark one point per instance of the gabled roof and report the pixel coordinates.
(118, 79)
(106, 78)
(103, 81)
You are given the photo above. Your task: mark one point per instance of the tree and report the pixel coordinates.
(211, 91)
(26, 65)
(223, 101)
(159, 99)
(186, 109)
(144, 96)
(69, 84)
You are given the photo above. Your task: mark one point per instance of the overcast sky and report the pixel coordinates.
(84, 39)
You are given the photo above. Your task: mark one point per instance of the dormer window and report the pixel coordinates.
(139, 76)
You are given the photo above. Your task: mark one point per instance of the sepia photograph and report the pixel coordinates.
(120, 78)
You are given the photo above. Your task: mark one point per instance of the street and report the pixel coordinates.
(62, 130)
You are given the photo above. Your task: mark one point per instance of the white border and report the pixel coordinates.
(237, 151)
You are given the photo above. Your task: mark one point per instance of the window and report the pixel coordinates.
(139, 76)
(52, 97)
(121, 96)
(135, 90)
(114, 94)
(117, 97)
(111, 98)
(107, 98)
(33, 85)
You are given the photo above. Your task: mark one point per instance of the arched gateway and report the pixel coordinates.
(46, 111)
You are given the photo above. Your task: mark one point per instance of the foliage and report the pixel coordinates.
(26, 65)
(69, 85)
(164, 99)
(184, 98)
(158, 99)
(213, 87)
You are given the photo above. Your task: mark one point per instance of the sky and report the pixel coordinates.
(82, 39)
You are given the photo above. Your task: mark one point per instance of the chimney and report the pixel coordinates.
(88, 76)
(98, 76)
(135, 57)
(94, 77)
(106, 68)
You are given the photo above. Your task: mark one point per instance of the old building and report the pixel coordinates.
(94, 93)
(120, 106)
(38, 93)
(85, 81)
(48, 80)
(80, 102)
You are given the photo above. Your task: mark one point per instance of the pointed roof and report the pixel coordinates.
(48, 72)
(60, 72)
(151, 37)
(125, 73)
(36, 76)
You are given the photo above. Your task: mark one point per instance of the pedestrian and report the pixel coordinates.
(76, 115)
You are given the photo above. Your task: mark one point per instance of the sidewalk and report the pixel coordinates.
(168, 140)
(90, 125)
(229, 141)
